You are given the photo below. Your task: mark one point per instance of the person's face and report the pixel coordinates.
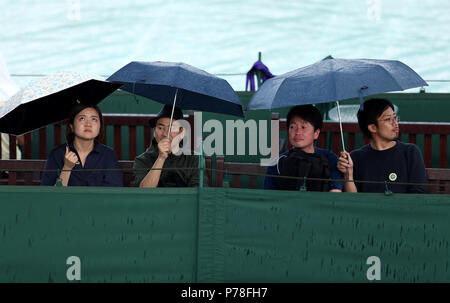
(161, 129)
(86, 125)
(302, 134)
(388, 128)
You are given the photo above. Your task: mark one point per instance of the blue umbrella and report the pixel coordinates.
(334, 80)
(179, 84)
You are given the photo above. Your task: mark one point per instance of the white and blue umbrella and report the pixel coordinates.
(49, 99)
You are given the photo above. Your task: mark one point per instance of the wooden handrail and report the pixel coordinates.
(29, 172)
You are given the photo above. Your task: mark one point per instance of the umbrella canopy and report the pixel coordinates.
(49, 100)
(333, 80)
(7, 86)
(194, 88)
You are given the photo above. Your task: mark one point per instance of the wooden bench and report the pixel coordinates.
(439, 180)
(29, 172)
(236, 170)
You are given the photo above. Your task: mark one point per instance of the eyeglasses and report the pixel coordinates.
(391, 119)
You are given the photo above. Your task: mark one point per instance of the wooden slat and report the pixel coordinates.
(28, 146)
(321, 141)
(12, 178)
(43, 143)
(366, 140)
(434, 187)
(118, 141)
(236, 181)
(351, 142)
(252, 182)
(127, 173)
(208, 171)
(28, 177)
(438, 128)
(427, 147)
(132, 139)
(57, 134)
(443, 151)
(190, 119)
(439, 180)
(147, 136)
(412, 138)
(438, 174)
(12, 147)
(336, 143)
(219, 171)
(102, 138)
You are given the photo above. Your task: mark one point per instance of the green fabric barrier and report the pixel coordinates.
(120, 235)
(274, 236)
(220, 235)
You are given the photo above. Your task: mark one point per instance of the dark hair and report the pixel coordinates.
(166, 112)
(373, 109)
(306, 112)
(70, 136)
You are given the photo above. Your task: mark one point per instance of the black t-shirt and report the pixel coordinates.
(402, 163)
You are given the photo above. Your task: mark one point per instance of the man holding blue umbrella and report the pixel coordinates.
(332, 80)
(179, 170)
(178, 86)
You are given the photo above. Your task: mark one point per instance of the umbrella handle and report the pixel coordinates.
(340, 126)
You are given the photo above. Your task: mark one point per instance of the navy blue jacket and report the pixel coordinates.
(101, 157)
(269, 182)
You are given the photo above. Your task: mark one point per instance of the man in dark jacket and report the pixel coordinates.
(154, 168)
(384, 158)
(304, 159)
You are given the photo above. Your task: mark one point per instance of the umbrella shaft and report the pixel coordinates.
(171, 115)
(340, 126)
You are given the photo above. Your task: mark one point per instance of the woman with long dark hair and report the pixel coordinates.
(83, 161)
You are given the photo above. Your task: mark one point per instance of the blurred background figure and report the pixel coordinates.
(7, 89)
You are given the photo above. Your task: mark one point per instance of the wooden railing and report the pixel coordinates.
(438, 178)
(329, 130)
(29, 172)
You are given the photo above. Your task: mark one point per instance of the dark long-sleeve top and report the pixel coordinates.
(402, 163)
(101, 157)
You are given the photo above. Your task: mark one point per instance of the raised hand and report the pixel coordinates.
(70, 159)
(345, 164)
(164, 148)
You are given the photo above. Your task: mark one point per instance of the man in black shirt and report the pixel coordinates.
(385, 158)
